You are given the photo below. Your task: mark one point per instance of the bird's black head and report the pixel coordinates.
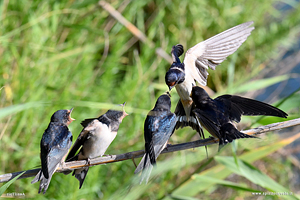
(62, 116)
(117, 115)
(163, 103)
(175, 75)
(198, 94)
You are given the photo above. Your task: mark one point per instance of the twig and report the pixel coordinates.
(134, 30)
(136, 154)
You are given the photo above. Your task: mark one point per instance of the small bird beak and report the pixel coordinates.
(171, 85)
(72, 119)
(168, 93)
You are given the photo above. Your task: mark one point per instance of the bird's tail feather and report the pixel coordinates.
(80, 174)
(146, 174)
(229, 133)
(44, 184)
(145, 162)
(37, 177)
(146, 167)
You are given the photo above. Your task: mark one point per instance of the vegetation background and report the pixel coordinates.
(63, 54)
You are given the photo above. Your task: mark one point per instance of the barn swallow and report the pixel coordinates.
(94, 139)
(218, 115)
(158, 128)
(55, 144)
(204, 55)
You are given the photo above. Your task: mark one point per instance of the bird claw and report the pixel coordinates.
(88, 161)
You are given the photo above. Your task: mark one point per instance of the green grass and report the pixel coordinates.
(54, 56)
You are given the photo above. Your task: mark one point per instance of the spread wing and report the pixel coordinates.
(238, 106)
(213, 51)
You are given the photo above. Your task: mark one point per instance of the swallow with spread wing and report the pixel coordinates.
(94, 139)
(55, 144)
(218, 115)
(204, 55)
(158, 128)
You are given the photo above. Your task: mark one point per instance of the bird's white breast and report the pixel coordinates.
(98, 141)
(184, 89)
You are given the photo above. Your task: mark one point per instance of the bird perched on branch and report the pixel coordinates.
(158, 128)
(204, 55)
(55, 144)
(218, 115)
(94, 139)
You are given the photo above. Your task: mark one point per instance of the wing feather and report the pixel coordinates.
(213, 51)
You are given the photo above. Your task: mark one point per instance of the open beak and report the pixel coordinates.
(170, 87)
(72, 119)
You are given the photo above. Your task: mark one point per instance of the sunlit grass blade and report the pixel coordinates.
(257, 84)
(253, 174)
(206, 179)
(191, 187)
(6, 185)
(18, 108)
(99, 105)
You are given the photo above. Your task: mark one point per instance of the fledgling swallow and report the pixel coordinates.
(218, 115)
(55, 144)
(158, 128)
(204, 55)
(94, 139)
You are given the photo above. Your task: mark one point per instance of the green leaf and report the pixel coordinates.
(253, 174)
(257, 84)
(6, 185)
(18, 108)
(207, 179)
(192, 187)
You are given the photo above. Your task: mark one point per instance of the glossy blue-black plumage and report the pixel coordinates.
(159, 126)
(55, 144)
(176, 74)
(217, 115)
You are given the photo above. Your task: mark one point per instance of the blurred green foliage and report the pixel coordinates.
(63, 54)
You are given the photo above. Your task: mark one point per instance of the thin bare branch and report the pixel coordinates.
(134, 30)
(136, 154)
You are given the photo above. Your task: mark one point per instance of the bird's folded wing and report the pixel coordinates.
(86, 122)
(77, 145)
(213, 51)
(56, 154)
